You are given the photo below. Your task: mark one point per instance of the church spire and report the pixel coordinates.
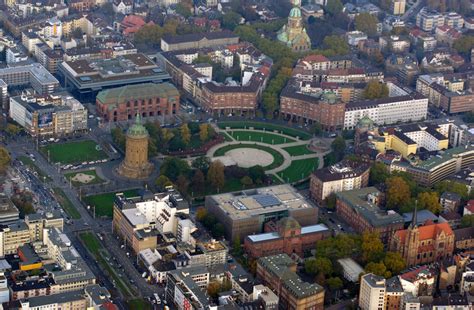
(414, 219)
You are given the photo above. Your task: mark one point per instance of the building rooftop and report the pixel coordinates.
(362, 201)
(374, 280)
(35, 70)
(249, 203)
(42, 301)
(135, 217)
(274, 235)
(443, 157)
(194, 37)
(279, 266)
(343, 170)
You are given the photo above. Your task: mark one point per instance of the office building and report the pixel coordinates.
(8, 211)
(245, 213)
(372, 292)
(360, 209)
(343, 176)
(386, 111)
(52, 115)
(32, 75)
(398, 7)
(285, 236)
(86, 77)
(138, 220)
(149, 100)
(198, 40)
(428, 19)
(208, 254)
(278, 272)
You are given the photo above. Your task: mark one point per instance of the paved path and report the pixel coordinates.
(277, 147)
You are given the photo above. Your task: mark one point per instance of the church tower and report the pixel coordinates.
(412, 239)
(136, 164)
(293, 34)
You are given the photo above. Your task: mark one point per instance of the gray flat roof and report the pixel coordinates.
(313, 228)
(36, 70)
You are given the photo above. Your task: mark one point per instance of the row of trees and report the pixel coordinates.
(367, 249)
(4, 159)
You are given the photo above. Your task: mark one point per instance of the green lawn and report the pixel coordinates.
(298, 150)
(264, 137)
(139, 304)
(226, 137)
(66, 204)
(92, 244)
(299, 169)
(268, 127)
(73, 152)
(104, 203)
(31, 164)
(277, 157)
(91, 172)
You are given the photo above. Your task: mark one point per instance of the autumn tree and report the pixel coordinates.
(13, 129)
(246, 181)
(467, 221)
(202, 163)
(372, 247)
(185, 134)
(230, 20)
(173, 167)
(203, 132)
(162, 182)
(198, 182)
(366, 23)
(182, 184)
(4, 159)
(429, 201)
(213, 289)
(215, 174)
(398, 192)
(378, 268)
(201, 214)
(464, 44)
(453, 187)
(334, 283)
(394, 262)
(375, 90)
(338, 146)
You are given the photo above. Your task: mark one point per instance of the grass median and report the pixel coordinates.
(103, 203)
(66, 204)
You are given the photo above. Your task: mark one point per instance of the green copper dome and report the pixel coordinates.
(330, 97)
(137, 129)
(365, 122)
(295, 12)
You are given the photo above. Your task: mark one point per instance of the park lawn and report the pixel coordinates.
(93, 245)
(298, 150)
(299, 169)
(226, 137)
(103, 203)
(139, 304)
(278, 159)
(91, 172)
(66, 204)
(263, 137)
(292, 132)
(31, 164)
(73, 152)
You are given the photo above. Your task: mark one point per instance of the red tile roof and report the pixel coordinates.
(315, 58)
(427, 232)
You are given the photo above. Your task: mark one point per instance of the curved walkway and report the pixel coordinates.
(277, 147)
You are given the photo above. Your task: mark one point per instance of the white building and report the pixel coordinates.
(351, 269)
(428, 19)
(124, 7)
(354, 37)
(372, 292)
(387, 111)
(14, 55)
(467, 279)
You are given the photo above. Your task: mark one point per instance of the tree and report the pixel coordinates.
(464, 44)
(215, 174)
(203, 132)
(4, 159)
(213, 289)
(318, 265)
(339, 147)
(398, 192)
(149, 34)
(182, 184)
(375, 90)
(378, 173)
(257, 173)
(366, 23)
(198, 181)
(394, 262)
(336, 45)
(12, 130)
(218, 230)
(183, 10)
(237, 247)
(338, 247)
(24, 203)
(230, 20)
(331, 201)
(316, 129)
(429, 201)
(185, 133)
(201, 214)
(334, 283)
(334, 7)
(378, 269)
(202, 163)
(246, 181)
(453, 187)
(173, 167)
(467, 221)
(118, 137)
(162, 182)
(372, 247)
(77, 33)
(108, 9)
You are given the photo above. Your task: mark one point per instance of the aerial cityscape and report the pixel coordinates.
(237, 154)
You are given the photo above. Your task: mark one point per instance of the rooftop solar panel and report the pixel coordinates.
(267, 200)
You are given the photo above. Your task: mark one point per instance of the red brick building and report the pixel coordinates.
(286, 236)
(150, 100)
(327, 110)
